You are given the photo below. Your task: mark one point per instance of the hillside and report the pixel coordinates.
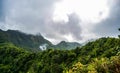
(32, 42)
(100, 56)
(67, 45)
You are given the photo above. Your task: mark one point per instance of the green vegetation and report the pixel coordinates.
(63, 45)
(23, 40)
(100, 56)
(32, 42)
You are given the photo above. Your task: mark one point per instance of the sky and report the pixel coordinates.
(58, 20)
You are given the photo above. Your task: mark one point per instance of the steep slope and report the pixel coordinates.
(103, 47)
(63, 45)
(31, 42)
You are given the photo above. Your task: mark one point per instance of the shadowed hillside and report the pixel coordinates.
(33, 42)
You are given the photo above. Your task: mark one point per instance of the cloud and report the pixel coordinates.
(27, 14)
(109, 26)
(1, 10)
(59, 30)
(36, 16)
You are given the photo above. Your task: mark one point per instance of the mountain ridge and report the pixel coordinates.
(22, 39)
(33, 42)
(67, 45)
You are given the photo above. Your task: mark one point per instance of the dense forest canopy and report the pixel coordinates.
(100, 56)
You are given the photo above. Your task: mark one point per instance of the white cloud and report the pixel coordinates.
(87, 10)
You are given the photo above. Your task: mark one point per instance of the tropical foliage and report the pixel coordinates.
(100, 56)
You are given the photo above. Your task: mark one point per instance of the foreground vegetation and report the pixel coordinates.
(100, 56)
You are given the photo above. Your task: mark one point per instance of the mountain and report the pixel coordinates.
(99, 56)
(28, 41)
(33, 42)
(67, 45)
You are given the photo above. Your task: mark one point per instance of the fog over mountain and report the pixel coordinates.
(58, 20)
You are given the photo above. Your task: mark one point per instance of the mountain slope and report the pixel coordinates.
(103, 47)
(63, 45)
(31, 42)
(100, 56)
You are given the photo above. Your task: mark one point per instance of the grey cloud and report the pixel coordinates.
(28, 15)
(35, 17)
(109, 26)
(1, 10)
(71, 27)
